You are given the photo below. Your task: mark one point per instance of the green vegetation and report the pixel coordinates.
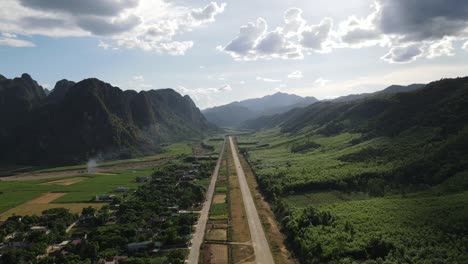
(150, 225)
(379, 180)
(89, 119)
(14, 193)
(219, 211)
(221, 189)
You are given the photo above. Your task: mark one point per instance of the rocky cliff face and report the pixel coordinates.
(89, 118)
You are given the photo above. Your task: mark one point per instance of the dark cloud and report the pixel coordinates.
(404, 54)
(423, 19)
(82, 7)
(43, 23)
(104, 27)
(359, 35)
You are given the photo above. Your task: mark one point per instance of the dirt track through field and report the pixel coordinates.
(203, 219)
(46, 198)
(65, 182)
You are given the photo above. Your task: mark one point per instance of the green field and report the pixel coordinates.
(173, 150)
(219, 211)
(14, 193)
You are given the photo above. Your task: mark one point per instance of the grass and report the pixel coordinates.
(173, 150)
(15, 193)
(322, 198)
(37, 209)
(219, 211)
(221, 189)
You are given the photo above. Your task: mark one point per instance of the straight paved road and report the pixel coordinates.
(201, 226)
(260, 243)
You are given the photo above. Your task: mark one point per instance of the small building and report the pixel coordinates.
(104, 198)
(75, 242)
(18, 244)
(114, 260)
(40, 228)
(142, 179)
(189, 177)
(138, 246)
(121, 189)
(174, 208)
(158, 244)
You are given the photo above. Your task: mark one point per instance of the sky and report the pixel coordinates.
(230, 50)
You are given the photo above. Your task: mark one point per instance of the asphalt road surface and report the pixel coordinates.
(197, 239)
(259, 242)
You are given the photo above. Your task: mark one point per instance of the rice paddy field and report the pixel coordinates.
(21, 196)
(18, 197)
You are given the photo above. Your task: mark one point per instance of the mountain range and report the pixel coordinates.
(389, 90)
(244, 114)
(233, 114)
(78, 121)
(441, 104)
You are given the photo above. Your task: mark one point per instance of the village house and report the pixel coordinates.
(121, 189)
(40, 228)
(142, 179)
(104, 198)
(138, 246)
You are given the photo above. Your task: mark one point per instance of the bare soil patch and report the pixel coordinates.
(242, 254)
(219, 198)
(215, 254)
(216, 234)
(38, 208)
(65, 182)
(217, 224)
(46, 198)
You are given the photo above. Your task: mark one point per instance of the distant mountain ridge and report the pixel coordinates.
(235, 113)
(78, 121)
(389, 90)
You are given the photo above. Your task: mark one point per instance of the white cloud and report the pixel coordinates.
(441, 48)
(103, 45)
(288, 41)
(203, 97)
(11, 40)
(408, 74)
(204, 91)
(404, 54)
(208, 13)
(315, 37)
(150, 25)
(45, 85)
(295, 75)
(465, 46)
(138, 83)
(259, 78)
(320, 82)
(394, 24)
